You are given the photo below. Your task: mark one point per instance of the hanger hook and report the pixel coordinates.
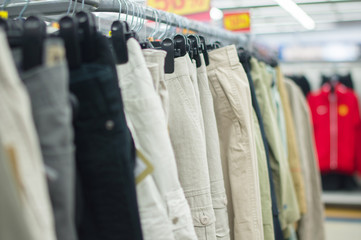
(155, 22)
(127, 10)
(133, 13)
(120, 8)
(24, 9)
(6, 3)
(138, 19)
(75, 4)
(69, 7)
(163, 34)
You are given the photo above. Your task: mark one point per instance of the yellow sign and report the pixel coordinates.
(4, 14)
(343, 110)
(240, 21)
(181, 7)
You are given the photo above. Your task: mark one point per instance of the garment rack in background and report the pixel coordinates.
(56, 7)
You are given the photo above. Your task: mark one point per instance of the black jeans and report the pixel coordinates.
(105, 155)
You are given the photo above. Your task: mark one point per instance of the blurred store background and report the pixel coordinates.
(314, 41)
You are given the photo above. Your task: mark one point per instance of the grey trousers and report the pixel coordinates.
(48, 91)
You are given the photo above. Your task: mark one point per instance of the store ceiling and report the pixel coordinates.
(267, 17)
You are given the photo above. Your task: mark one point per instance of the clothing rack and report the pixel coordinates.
(56, 7)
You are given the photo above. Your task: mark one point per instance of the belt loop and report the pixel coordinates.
(232, 55)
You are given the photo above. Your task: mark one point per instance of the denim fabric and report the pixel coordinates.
(105, 153)
(49, 94)
(276, 222)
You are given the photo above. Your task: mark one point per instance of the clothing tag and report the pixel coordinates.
(4, 14)
(143, 167)
(11, 153)
(54, 52)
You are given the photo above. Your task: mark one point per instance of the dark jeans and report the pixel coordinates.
(105, 155)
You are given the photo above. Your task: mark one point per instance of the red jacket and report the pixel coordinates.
(337, 128)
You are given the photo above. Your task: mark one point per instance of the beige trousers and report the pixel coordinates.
(187, 136)
(218, 192)
(155, 60)
(146, 121)
(18, 135)
(233, 108)
(13, 224)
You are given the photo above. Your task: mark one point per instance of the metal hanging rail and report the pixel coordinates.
(54, 7)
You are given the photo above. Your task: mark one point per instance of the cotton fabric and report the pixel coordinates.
(218, 192)
(187, 136)
(233, 108)
(18, 135)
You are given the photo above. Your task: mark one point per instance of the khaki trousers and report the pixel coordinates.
(233, 108)
(155, 60)
(187, 136)
(146, 120)
(13, 224)
(218, 192)
(311, 225)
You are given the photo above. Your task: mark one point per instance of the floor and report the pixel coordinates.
(343, 223)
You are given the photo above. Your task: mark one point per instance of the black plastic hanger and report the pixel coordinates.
(180, 44)
(69, 33)
(34, 34)
(168, 46)
(204, 49)
(119, 41)
(194, 46)
(87, 41)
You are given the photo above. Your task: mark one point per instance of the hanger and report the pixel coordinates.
(34, 34)
(168, 46)
(69, 33)
(204, 49)
(194, 49)
(119, 41)
(156, 30)
(87, 30)
(180, 44)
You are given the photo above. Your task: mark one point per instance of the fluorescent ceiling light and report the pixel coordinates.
(216, 14)
(292, 8)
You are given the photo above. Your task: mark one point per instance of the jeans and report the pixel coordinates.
(105, 153)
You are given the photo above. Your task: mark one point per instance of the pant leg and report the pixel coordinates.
(13, 224)
(219, 198)
(158, 57)
(189, 146)
(232, 103)
(18, 134)
(146, 121)
(48, 91)
(105, 153)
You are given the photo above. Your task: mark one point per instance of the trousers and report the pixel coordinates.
(233, 108)
(187, 136)
(105, 154)
(48, 90)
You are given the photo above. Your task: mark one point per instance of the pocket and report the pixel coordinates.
(178, 210)
(204, 223)
(221, 215)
